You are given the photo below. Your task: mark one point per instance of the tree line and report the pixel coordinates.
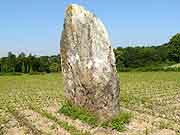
(154, 56)
(29, 64)
(129, 57)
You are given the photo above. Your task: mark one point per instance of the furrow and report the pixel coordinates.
(44, 125)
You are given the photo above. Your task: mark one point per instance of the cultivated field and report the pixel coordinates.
(29, 104)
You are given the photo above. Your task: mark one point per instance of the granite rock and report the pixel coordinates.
(88, 63)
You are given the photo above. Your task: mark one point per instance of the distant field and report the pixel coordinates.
(157, 93)
(152, 93)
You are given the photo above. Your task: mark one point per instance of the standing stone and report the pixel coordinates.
(88, 63)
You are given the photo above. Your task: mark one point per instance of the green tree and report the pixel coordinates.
(30, 59)
(35, 64)
(11, 62)
(119, 54)
(54, 67)
(174, 48)
(4, 64)
(44, 64)
(55, 59)
(0, 66)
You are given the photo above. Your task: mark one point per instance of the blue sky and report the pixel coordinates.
(34, 26)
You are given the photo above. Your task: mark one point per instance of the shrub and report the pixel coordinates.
(11, 74)
(149, 69)
(36, 73)
(119, 122)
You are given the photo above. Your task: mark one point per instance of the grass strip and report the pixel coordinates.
(75, 112)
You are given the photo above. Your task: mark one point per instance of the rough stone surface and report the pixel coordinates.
(88, 63)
